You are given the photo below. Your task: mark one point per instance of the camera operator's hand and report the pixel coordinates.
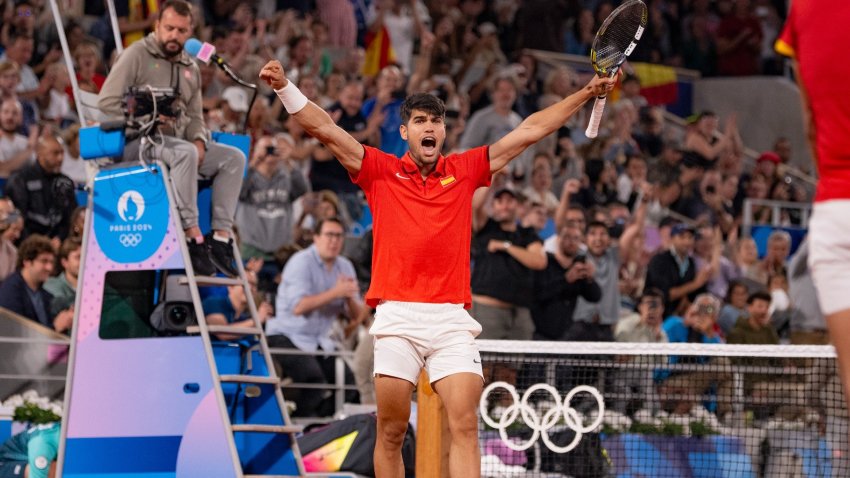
(202, 149)
(273, 75)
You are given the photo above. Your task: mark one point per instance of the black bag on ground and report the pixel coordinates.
(358, 456)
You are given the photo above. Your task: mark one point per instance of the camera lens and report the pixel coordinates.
(178, 315)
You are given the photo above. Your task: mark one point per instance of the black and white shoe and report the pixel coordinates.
(199, 253)
(221, 254)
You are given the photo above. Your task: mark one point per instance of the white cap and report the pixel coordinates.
(487, 28)
(236, 97)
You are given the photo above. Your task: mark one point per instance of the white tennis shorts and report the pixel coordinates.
(410, 335)
(829, 254)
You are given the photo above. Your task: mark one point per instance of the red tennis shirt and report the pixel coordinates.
(422, 229)
(814, 35)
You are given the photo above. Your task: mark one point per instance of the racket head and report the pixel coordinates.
(618, 36)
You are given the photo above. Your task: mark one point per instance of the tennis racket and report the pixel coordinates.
(614, 42)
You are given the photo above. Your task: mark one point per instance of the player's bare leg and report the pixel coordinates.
(460, 394)
(393, 399)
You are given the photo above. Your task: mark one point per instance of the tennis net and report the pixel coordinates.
(588, 410)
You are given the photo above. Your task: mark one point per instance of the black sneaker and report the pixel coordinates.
(200, 255)
(221, 254)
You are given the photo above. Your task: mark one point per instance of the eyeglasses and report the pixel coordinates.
(333, 235)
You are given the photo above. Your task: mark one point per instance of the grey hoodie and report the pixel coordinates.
(144, 63)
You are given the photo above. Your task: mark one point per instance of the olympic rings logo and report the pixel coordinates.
(571, 417)
(130, 240)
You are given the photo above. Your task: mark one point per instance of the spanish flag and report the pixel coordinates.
(139, 10)
(379, 52)
(657, 83)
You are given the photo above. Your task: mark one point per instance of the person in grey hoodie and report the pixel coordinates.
(160, 62)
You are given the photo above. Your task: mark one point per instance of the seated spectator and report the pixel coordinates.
(699, 325)
(45, 196)
(87, 63)
(55, 103)
(773, 263)
(317, 286)
(23, 292)
(642, 326)
(16, 150)
(808, 325)
(10, 78)
(755, 327)
(19, 49)
(232, 309)
(11, 226)
(703, 141)
(73, 165)
(33, 452)
(540, 189)
(645, 324)
(315, 207)
(63, 287)
(734, 307)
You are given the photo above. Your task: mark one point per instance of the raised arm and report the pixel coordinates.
(544, 122)
(314, 119)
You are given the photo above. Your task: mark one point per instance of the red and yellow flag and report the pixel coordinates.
(657, 83)
(379, 52)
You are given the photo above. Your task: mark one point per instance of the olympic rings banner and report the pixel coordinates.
(130, 213)
(560, 414)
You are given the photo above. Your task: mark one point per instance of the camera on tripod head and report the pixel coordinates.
(145, 100)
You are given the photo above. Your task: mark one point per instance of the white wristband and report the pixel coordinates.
(292, 98)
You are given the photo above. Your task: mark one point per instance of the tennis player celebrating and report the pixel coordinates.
(422, 209)
(812, 36)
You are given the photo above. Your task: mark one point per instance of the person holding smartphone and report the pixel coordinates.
(568, 275)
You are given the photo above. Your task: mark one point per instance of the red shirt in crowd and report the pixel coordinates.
(422, 229)
(814, 36)
(743, 59)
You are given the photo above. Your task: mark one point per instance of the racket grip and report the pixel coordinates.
(595, 117)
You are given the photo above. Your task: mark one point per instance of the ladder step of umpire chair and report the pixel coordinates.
(249, 379)
(225, 329)
(207, 281)
(267, 428)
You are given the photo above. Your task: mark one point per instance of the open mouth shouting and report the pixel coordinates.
(429, 146)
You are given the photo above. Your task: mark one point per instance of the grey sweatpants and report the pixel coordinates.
(225, 165)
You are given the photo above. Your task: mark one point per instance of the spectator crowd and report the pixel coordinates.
(633, 236)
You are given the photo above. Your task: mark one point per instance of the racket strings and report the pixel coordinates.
(619, 33)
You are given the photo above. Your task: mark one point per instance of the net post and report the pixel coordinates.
(432, 432)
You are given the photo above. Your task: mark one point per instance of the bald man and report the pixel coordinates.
(44, 195)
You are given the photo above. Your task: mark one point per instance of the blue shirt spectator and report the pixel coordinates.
(307, 275)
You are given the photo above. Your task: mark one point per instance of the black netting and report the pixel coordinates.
(664, 416)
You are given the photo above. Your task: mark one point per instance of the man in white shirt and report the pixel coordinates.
(15, 148)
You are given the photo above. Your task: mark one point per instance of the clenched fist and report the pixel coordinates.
(273, 75)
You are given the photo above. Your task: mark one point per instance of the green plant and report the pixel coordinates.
(702, 429)
(32, 413)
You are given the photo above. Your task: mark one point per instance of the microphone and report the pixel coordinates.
(204, 52)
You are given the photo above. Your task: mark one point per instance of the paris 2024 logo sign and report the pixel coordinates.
(131, 214)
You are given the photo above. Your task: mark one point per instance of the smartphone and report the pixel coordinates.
(705, 309)
(581, 256)
(271, 151)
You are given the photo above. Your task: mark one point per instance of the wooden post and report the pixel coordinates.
(432, 433)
